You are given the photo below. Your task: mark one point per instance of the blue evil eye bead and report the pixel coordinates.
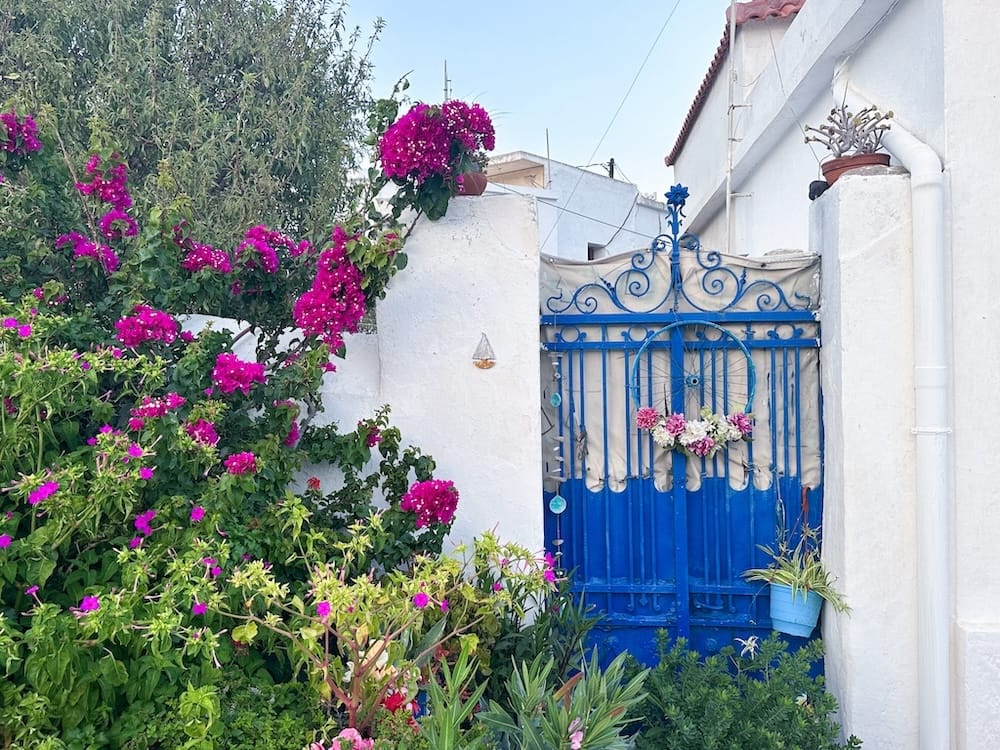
(555, 399)
(557, 504)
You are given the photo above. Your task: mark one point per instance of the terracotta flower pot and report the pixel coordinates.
(473, 183)
(835, 167)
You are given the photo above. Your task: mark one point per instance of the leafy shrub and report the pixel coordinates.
(762, 697)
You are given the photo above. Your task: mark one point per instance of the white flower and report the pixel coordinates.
(749, 646)
(694, 431)
(661, 437)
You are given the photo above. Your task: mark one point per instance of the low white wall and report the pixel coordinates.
(473, 272)
(861, 227)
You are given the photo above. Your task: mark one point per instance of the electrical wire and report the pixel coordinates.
(614, 117)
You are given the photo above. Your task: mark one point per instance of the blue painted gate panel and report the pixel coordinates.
(677, 329)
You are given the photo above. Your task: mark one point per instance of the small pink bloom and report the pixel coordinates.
(146, 472)
(444, 605)
(647, 418)
(197, 513)
(5, 540)
(136, 423)
(241, 463)
(90, 604)
(323, 610)
(216, 571)
(42, 493)
(31, 590)
(498, 586)
(134, 542)
(420, 600)
(199, 608)
(24, 331)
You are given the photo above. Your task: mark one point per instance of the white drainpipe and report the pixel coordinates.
(933, 422)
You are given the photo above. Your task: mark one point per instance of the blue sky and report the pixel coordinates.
(558, 65)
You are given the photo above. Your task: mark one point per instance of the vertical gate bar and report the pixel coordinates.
(772, 412)
(798, 412)
(606, 466)
(649, 500)
(726, 487)
(629, 474)
(679, 465)
(784, 408)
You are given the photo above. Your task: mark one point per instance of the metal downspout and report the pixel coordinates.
(933, 423)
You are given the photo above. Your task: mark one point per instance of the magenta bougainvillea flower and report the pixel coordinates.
(232, 373)
(434, 501)
(420, 600)
(199, 608)
(146, 324)
(202, 431)
(5, 540)
(20, 134)
(197, 514)
(241, 463)
(334, 303)
(85, 248)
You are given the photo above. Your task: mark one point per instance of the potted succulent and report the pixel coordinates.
(853, 139)
(799, 582)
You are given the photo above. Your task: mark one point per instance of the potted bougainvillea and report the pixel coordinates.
(435, 151)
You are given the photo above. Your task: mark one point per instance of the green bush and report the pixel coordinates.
(762, 697)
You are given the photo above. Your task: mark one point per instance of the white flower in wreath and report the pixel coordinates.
(695, 430)
(662, 437)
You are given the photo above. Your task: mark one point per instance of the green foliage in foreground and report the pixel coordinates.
(762, 697)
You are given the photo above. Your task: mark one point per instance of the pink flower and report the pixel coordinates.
(241, 463)
(675, 424)
(146, 324)
(420, 600)
(135, 424)
(197, 513)
(116, 223)
(31, 591)
(87, 605)
(42, 493)
(323, 610)
(24, 331)
(498, 586)
(647, 418)
(434, 501)
(742, 422)
(199, 608)
(334, 303)
(202, 431)
(216, 572)
(576, 734)
(134, 542)
(146, 472)
(444, 605)
(5, 540)
(143, 520)
(232, 373)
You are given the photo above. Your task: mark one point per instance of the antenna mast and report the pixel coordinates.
(447, 80)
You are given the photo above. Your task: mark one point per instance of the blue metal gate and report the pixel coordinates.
(679, 329)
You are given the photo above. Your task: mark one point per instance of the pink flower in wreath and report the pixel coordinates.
(675, 424)
(647, 418)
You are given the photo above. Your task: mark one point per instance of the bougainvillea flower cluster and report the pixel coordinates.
(84, 248)
(436, 140)
(259, 248)
(334, 303)
(108, 186)
(154, 408)
(241, 463)
(21, 136)
(232, 373)
(434, 501)
(146, 324)
(202, 431)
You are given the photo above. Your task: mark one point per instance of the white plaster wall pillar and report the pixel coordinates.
(862, 229)
(475, 271)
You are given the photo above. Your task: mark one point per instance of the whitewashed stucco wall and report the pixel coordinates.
(475, 271)
(862, 231)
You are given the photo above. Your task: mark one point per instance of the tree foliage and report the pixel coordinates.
(253, 110)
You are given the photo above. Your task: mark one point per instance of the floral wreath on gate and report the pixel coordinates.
(702, 437)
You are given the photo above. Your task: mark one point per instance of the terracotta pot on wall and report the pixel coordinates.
(835, 167)
(473, 183)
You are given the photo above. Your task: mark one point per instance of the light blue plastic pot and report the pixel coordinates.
(794, 615)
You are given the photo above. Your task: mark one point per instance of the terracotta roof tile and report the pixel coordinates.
(755, 10)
